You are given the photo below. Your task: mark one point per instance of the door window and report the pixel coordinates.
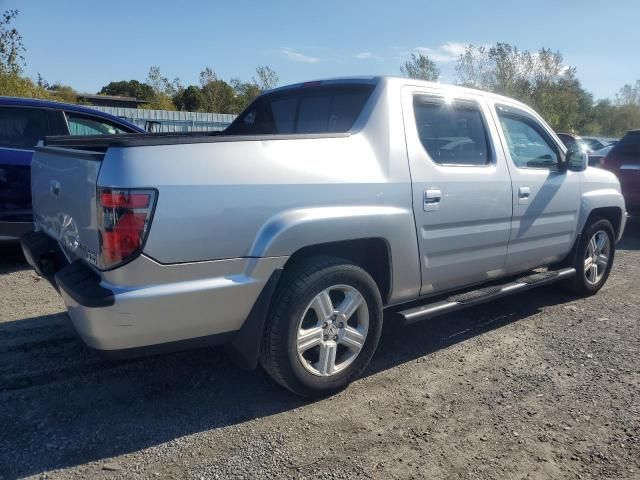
(22, 127)
(528, 143)
(452, 133)
(80, 125)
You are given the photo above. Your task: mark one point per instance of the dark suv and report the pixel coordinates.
(23, 122)
(624, 161)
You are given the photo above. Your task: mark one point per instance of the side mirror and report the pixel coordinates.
(577, 160)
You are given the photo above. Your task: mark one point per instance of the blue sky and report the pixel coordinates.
(88, 43)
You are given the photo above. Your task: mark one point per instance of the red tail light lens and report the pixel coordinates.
(124, 217)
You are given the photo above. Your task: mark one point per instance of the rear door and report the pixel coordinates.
(546, 198)
(461, 189)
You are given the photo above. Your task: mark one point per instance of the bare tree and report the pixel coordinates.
(267, 78)
(422, 67)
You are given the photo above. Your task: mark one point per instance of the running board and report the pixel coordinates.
(482, 295)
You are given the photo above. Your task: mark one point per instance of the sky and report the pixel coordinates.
(88, 43)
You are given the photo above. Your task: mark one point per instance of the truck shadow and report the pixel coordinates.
(64, 405)
(11, 258)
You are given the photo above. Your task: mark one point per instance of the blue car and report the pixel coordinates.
(23, 122)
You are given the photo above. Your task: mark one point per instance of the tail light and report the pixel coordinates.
(124, 217)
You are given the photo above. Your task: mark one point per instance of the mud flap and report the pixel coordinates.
(245, 346)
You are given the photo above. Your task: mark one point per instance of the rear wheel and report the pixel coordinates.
(324, 328)
(594, 258)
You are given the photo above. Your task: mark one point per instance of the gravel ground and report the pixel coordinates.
(540, 385)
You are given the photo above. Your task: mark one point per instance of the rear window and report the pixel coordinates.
(320, 109)
(22, 127)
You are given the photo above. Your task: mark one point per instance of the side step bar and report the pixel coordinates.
(482, 295)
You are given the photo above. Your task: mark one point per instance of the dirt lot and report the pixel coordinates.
(540, 385)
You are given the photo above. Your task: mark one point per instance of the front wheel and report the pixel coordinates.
(324, 328)
(594, 258)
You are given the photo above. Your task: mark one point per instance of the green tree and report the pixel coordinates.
(421, 67)
(63, 93)
(128, 88)
(189, 99)
(11, 47)
(12, 62)
(217, 95)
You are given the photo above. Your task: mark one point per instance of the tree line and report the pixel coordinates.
(211, 94)
(539, 79)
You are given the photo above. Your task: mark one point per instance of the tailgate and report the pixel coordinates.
(63, 186)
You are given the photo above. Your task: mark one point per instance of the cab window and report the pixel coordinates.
(529, 145)
(452, 133)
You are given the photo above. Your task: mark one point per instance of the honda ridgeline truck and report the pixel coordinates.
(322, 205)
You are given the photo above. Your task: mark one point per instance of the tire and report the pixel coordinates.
(305, 332)
(586, 282)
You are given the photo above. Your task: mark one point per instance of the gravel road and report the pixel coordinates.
(540, 385)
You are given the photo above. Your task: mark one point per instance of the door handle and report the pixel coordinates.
(523, 195)
(432, 197)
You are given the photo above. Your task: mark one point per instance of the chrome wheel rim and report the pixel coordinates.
(332, 330)
(596, 258)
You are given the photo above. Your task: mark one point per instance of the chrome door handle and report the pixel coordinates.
(523, 195)
(431, 200)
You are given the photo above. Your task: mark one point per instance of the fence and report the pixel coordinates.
(171, 121)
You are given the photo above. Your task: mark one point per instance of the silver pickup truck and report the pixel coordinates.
(323, 205)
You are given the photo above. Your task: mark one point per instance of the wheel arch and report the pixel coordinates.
(380, 239)
(373, 255)
(613, 214)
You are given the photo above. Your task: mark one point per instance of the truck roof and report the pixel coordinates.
(399, 81)
(70, 107)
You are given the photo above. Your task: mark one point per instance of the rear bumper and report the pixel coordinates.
(12, 231)
(145, 307)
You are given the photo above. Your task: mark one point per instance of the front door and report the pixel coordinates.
(546, 197)
(461, 189)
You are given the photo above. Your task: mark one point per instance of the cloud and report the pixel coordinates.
(364, 55)
(447, 52)
(294, 56)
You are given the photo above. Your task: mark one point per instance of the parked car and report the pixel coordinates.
(598, 143)
(624, 161)
(320, 206)
(572, 141)
(595, 158)
(24, 121)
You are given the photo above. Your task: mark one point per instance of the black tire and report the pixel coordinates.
(579, 283)
(298, 287)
